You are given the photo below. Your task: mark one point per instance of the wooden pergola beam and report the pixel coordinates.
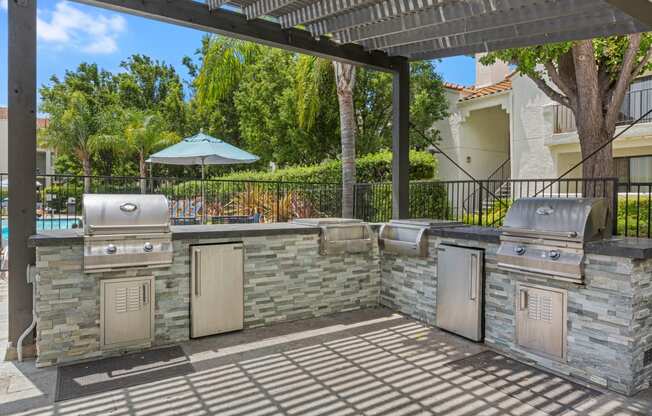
(197, 16)
(586, 25)
(641, 10)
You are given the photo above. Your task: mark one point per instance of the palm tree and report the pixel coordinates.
(224, 60)
(73, 131)
(310, 75)
(345, 80)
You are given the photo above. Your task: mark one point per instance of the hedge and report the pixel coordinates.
(375, 167)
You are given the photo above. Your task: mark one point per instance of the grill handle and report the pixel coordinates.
(145, 287)
(197, 272)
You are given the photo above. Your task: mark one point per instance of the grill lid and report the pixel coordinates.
(578, 219)
(108, 214)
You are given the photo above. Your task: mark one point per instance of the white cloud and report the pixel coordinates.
(3, 4)
(69, 27)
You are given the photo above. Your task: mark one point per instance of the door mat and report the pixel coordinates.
(120, 372)
(544, 391)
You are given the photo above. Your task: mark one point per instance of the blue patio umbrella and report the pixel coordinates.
(202, 149)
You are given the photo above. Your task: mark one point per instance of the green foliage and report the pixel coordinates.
(633, 210)
(77, 108)
(89, 108)
(375, 167)
(609, 52)
(491, 217)
(283, 106)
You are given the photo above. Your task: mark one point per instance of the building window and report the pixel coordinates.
(635, 169)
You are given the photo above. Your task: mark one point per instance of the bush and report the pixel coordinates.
(375, 167)
(637, 211)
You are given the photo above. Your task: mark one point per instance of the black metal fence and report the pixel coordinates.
(484, 203)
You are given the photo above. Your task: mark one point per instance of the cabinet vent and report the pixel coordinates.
(539, 307)
(127, 299)
(647, 357)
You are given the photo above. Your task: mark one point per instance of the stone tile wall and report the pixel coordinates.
(609, 319)
(285, 279)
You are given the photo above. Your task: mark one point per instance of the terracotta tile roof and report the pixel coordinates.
(458, 87)
(502, 86)
(40, 122)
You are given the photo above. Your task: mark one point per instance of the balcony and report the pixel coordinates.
(637, 102)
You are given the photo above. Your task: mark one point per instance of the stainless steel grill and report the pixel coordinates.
(125, 231)
(546, 236)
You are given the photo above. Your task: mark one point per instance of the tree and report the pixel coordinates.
(345, 81)
(591, 78)
(142, 134)
(154, 86)
(77, 107)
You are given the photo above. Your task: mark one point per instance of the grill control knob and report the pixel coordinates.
(111, 249)
(520, 250)
(554, 254)
(148, 247)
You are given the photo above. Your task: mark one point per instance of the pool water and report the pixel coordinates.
(41, 224)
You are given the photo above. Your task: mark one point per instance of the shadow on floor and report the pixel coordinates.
(370, 362)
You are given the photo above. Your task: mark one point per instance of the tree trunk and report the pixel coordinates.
(591, 123)
(86, 166)
(142, 169)
(345, 79)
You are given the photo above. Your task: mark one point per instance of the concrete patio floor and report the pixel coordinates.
(371, 362)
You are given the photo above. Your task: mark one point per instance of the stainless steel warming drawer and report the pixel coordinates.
(460, 277)
(409, 237)
(340, 235)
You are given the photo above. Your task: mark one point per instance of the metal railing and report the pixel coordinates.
(631, 202)
(59, 199)
(636, 104)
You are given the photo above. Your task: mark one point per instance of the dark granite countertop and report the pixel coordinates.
(183, 232)
(475, 233)
(630, 247)
(635, 248)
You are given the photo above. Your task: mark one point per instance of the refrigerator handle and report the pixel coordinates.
(197, 272)
(473, 286)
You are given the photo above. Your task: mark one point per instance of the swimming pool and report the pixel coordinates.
(42, 224)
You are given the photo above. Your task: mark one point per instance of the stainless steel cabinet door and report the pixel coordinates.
(217, 285)
(541, 320)
(127, 311)
(459, 290)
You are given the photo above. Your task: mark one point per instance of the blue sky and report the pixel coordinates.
(70, 33)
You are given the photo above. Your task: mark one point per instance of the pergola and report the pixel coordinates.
(380, 34)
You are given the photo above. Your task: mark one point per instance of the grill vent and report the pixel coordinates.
(647, 357)
(539, 307)
(127, 299)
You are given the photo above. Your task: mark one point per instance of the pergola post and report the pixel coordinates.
(400, 140)
(22, 160)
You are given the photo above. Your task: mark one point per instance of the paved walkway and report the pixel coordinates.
(370, 362)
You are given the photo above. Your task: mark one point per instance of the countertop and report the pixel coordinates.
(634, 248)
(182, 232)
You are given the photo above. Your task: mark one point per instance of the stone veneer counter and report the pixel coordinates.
(609, 318)
(285, 278)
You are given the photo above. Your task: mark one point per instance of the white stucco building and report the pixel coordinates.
(505, 120)
(44, 157)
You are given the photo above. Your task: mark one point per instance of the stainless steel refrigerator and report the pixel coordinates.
(460, 279)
